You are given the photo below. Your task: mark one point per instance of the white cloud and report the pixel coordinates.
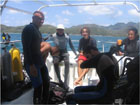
(119, 13)
(44, 12)
(67, 12)
(17, 1)
(5, 22)
(15, 12)
(50, 23)
(134, 12)
(61, 20)
(89, 20)
(99, 10)
(12, 12)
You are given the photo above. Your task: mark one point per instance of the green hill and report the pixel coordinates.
(119, 29)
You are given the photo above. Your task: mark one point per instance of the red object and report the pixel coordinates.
(81, 57)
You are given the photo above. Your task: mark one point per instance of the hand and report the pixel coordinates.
(120, 53)
(33, 71)
(77, 82)
(76, 56)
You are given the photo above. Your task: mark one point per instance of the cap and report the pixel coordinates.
(60, 26)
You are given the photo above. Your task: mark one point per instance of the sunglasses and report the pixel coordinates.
(39, 18)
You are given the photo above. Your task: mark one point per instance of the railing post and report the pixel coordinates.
(103, 47)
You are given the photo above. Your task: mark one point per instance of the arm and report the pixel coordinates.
(94, 43)
(72, 47)
(138, 45)
(48, 37)
(91, 63)
(79, 47)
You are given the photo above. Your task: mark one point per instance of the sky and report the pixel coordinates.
(103, 15)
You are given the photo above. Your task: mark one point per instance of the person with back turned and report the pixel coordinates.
(105, 69)
(34, 62)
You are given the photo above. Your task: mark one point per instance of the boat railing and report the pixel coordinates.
(101, 42)
(68, 3)
(90, 78)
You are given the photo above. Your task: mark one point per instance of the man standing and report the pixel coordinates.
(61, 40)
(34, 62)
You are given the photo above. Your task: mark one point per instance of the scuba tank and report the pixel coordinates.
(6, 70)
(16, 64)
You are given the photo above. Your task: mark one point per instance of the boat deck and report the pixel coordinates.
(91, 78)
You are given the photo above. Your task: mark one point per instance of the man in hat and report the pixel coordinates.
(60, 40)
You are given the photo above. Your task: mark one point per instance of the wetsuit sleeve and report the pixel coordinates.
(72, 47)
(94, 43)
(91, 63)
(50, 37)
(79, 47)
(138, 46)
(27, 37)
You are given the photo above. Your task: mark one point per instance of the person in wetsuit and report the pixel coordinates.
(83, 43)
(60, 40)
(131, 43)
(3, 37)
(33, 59)
(8, 37)
(105, 69)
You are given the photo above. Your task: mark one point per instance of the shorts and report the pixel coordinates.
(36, 81)
(81, 57)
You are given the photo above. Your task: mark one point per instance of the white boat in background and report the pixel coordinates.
(91, 77)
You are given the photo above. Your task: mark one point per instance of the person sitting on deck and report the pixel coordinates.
(83, 43)
(131, 44)
(105, 70)
(61, 40)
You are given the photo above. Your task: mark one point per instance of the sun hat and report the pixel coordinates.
(60, 26)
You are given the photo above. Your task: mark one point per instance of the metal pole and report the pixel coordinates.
(103, 47)
(2, 6)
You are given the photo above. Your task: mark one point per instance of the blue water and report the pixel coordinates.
(73, 37)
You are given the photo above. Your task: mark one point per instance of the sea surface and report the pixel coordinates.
(75, 40)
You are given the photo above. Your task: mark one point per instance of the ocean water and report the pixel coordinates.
(75, 40)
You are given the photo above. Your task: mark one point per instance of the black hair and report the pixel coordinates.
(38, 12)
(133, 29)
(88, 30)
(89, 48)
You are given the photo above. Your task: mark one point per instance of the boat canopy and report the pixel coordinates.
(61, 3)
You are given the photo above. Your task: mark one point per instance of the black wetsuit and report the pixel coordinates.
(83, 43)
(31, 40)
(131, 47)
(96, 94)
